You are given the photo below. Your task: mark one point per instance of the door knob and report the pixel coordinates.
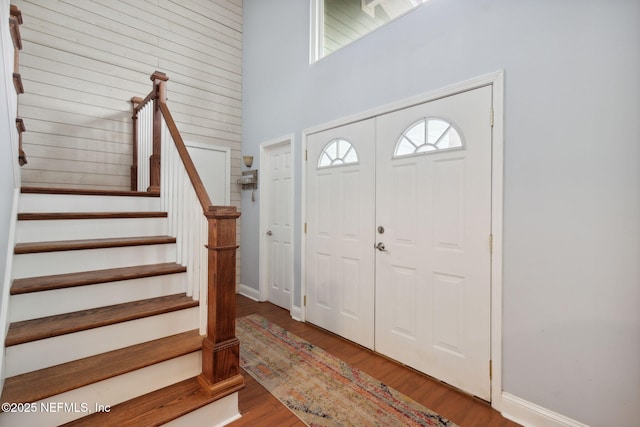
(380, 247)
(269, 233)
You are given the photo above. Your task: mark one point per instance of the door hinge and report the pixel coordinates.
(305, 228)
(490, 369)
(305, 301)
(306, 155)
(491, 117)
(490, 243)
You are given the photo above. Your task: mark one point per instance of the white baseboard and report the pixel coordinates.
(296, 313)
(531, 415)
(249, 292)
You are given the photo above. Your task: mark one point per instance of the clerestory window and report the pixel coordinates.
(336, 23)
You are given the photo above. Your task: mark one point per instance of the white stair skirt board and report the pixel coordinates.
(219, 413)
(529, 414)
(82, 203)
(77, 229)
(59, 301)
(27, 357)
(63, 262)
(83, 401)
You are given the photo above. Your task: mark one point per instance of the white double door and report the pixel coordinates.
(398, 241)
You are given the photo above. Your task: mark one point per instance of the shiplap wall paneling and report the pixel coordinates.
(85, 59)
(82, 62)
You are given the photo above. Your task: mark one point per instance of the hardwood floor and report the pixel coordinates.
(259, 408)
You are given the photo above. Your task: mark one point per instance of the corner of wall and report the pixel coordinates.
(6, 284)
(249, 292)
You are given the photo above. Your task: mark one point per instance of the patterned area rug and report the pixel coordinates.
(319, 388)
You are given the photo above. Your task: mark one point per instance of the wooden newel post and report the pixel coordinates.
(221, 348)
(135, 102)
(160, 95)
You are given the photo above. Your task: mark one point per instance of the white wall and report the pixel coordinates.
(9, 169)
(571, 340)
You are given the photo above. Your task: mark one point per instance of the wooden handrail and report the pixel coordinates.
(221, 348)
(194, 177)
(22, 157)
(139, 103)
(15, 20)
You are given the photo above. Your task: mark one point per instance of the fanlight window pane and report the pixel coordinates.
(428, 135)
(337, 152)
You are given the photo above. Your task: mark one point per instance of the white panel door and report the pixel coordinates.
(340, 231)
(433, 274)
(279, 236)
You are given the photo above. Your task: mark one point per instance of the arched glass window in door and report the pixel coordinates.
(337, 152)
(428, 135)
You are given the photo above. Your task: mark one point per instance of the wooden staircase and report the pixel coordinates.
(102, 331)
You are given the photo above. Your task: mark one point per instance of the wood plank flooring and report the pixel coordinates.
(259, 408)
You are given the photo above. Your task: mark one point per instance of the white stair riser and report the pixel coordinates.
(77, 229)
(109, 392)
(82, 203)
(216, 414)
(48, 352)
(62, 262)
(59, 301)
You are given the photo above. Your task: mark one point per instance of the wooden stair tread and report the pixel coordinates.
(70, 245)
(43, 383)
(39, 216)
(52, 326)
(69, 280)
(155, 408)
(85, 192)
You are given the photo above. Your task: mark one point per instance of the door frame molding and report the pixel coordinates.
(264, 198)
(495, 79)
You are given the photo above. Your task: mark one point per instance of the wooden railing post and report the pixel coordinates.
(221, 348)
(22, 157)
(160, 96)
(135, 101)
